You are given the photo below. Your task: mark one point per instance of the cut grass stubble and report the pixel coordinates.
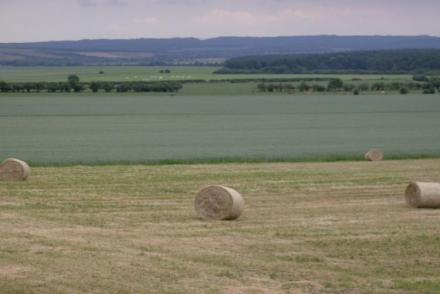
(308, 227)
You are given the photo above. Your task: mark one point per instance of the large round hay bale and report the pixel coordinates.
(219, 203)
(374, 155)
(13, 169)
(423, 195)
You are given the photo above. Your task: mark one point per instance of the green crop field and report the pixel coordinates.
(221, 89)
(87, 221)
(152, 73)
(65, 129)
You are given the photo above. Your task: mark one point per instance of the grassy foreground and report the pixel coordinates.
(307, 228)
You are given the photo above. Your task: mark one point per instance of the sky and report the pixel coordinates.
(43, 20)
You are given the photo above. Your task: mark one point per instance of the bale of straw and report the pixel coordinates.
(219, 203)
(374, 155)
(423, 195)
(13, 169)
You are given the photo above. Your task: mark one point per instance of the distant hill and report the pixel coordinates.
(375, 61)
(192, 50)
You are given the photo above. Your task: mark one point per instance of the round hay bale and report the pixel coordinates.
(423, 195)
(374, 155)
(219, 203)
(13, 169)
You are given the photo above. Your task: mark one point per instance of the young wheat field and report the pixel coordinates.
(307, 228)
(69, 129)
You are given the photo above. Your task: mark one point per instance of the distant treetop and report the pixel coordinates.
(383, 61)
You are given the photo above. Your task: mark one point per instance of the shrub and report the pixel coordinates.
(403, 91)
(420, 78)
(335, 84)
(429, 91)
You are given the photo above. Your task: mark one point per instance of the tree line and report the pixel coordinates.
(73, 84)
(383, 61)
(429, 86)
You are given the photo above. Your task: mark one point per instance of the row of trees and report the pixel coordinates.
(334, 85)
(135, 86)
(384, 61)
(73, 84)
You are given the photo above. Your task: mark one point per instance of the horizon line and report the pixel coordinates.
(219, 37)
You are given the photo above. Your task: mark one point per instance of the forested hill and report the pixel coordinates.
(192, 50)
(383, 61)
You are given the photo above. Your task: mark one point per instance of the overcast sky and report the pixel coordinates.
(38, 20)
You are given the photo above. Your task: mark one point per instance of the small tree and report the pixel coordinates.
(39, 86)
(94, 86)
(52, 87)
(124, 87)
(108, 87)
(4, 87)
(379, 86)
(403, 91)
(335, 84)
(261, 87)
(78, 88)
(303, 87)
(73, 79)
(73, 82)
(429, 91)
(420, 78)
(364, 87)
(318, 88)
(64, 87)
(29, 86)
(348, 87)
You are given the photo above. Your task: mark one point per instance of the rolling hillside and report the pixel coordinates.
(192, 50)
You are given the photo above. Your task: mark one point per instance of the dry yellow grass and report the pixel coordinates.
(307, 228)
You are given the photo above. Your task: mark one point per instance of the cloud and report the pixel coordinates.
(300, 14)
(235, 18)
(58, 19)
(243, 18)
(146, 20)
(220, 15)
(88, 3)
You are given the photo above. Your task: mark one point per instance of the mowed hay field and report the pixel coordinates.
(307, 228)
(69, 129)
